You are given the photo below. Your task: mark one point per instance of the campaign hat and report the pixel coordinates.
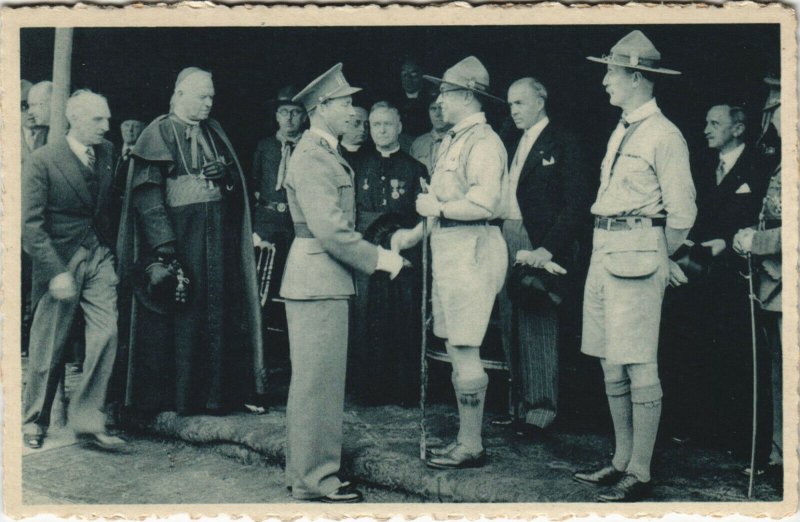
(329, 85)
(635, 51)
(469, 74)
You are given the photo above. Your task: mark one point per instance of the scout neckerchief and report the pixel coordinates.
(287, 146)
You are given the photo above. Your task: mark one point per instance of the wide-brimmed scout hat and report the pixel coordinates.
(331, 84)
(469, 74)
(774, 96)
(635, 51)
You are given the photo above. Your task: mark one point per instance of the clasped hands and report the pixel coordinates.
(214, 170)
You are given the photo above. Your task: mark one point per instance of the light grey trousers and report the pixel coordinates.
(96, 281)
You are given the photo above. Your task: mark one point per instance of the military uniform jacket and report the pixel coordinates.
(319, 188)
(767, 245)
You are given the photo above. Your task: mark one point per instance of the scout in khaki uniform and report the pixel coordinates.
(467, 190)
(317, 285)
(644, 209)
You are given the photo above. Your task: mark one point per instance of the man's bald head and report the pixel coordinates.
(194, 96)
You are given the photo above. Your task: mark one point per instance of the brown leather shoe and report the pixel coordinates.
(458, 458)
(440, 451)
(101, 440)
(606, 476)
(628, 489)
(344, 495)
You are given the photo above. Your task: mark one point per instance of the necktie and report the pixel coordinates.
(91, 158)
(611, 153)
(721, 171)
(286, 153)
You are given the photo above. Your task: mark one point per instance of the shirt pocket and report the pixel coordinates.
(344, 186)
(634, 173)
(632, 254)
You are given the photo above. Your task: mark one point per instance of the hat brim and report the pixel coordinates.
(658, 70)
(439, 81)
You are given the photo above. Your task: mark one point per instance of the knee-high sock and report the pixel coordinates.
(470, 397)
(646, 417)
(622, 418)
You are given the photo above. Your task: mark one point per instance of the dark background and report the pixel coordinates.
(136, 68)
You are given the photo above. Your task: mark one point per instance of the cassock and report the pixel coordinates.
(205, 355)
(384, 352)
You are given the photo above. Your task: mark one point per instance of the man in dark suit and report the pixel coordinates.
(548, 201)
(66, 231)
(714, 309)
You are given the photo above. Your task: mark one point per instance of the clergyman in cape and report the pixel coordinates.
(188, 296)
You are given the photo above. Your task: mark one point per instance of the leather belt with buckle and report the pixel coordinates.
(628, 223)
(448, 223)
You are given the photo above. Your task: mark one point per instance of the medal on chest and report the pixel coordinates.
(395, 188)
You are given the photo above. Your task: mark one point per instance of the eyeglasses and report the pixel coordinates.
(290, 112)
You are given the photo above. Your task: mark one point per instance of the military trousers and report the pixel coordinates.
(318, 353)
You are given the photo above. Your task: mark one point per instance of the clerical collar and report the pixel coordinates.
(387, 153)
(333, 142)
(469, 121)
(645, 110)
(412, 95)
(730, 158)
(350, 148)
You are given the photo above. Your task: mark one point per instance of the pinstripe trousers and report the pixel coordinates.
(530, 345)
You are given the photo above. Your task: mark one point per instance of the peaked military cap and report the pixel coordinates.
(331, 84)
(635, 51)
(469, 74)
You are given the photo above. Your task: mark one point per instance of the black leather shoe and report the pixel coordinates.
(607, 476)
(458, 458)
(628, 489)
(344, 495)
(507, 420)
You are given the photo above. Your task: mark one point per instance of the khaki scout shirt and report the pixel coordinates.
(650, 176)
(472, 164)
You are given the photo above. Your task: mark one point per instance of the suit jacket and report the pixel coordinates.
(553, 192)
(319, 187)
(724, 209)
(58, 210)
(39, 140)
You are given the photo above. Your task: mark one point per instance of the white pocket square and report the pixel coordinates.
(744, 189)
(546, 162)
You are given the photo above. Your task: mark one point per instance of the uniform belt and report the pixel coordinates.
(628, 223)
(771, 223)
(301, 230)
(448, 223)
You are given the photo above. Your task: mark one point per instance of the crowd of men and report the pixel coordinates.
(155, 244)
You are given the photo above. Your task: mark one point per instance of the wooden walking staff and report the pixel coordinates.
(423, 381)
(753, 300)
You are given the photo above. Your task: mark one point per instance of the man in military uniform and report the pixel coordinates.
(317, 286)
(644, 210)
(385, 355)
(764, 242)
(468, 189)
(186, 211)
